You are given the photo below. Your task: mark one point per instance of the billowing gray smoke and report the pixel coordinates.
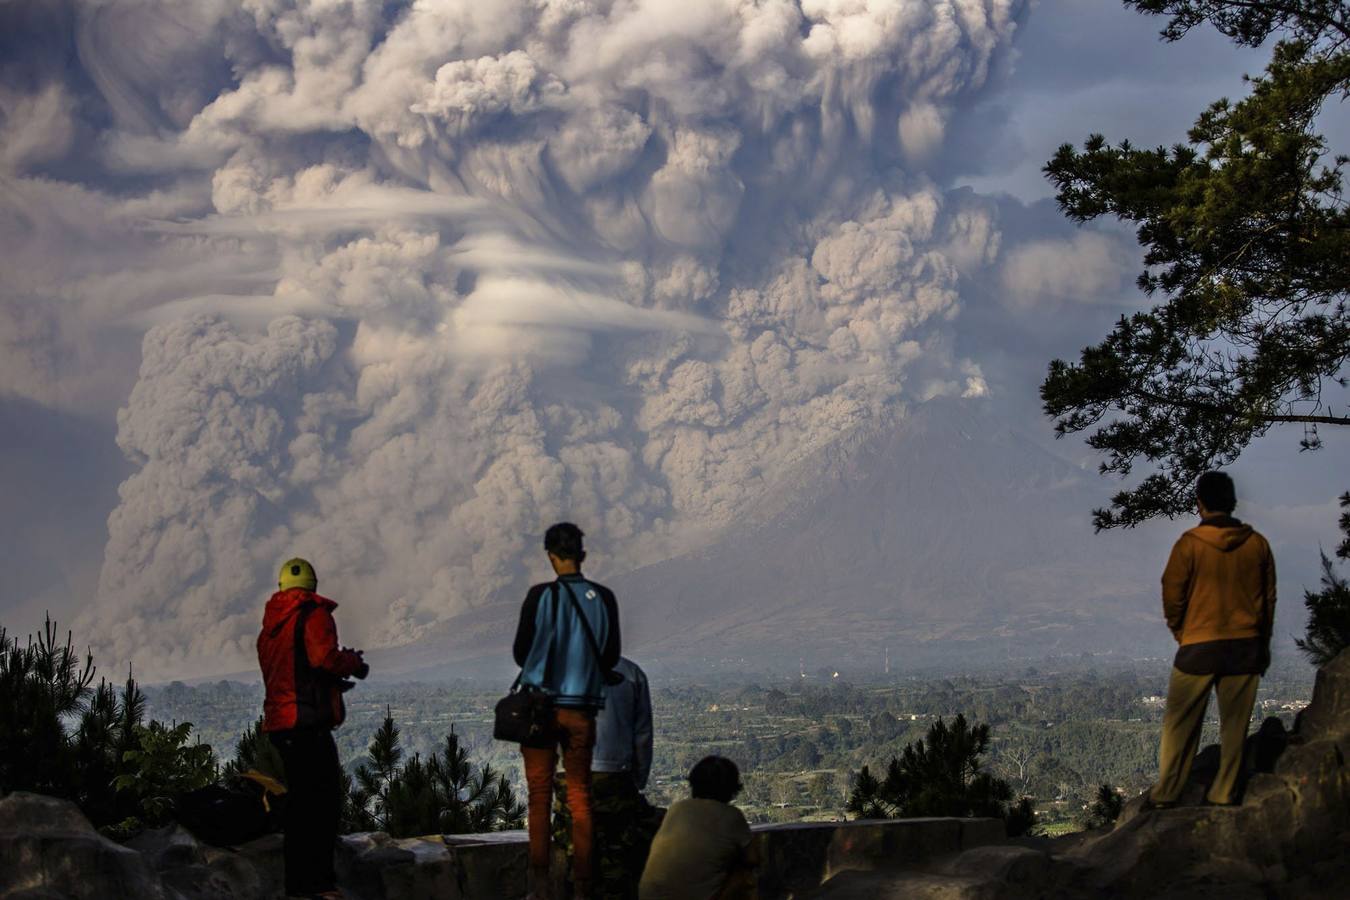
(463, 268)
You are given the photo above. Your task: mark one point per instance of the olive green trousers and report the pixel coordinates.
(1187, 699)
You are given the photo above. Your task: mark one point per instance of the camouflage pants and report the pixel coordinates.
(624, 827)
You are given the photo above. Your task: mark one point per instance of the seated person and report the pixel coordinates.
(704, 849)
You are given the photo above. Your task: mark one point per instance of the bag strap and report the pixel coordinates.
(585, 625)
(301, 619)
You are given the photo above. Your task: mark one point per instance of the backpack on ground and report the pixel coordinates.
(226, 815)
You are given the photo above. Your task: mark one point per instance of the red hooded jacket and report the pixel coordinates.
(302, 672)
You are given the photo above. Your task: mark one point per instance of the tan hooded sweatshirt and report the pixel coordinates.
(1219, 583)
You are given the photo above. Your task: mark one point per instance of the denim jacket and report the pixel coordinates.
(623, 730)
(551, 646)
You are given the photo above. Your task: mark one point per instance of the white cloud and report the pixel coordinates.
(34, 127)
(415, 288)
(1086, 268)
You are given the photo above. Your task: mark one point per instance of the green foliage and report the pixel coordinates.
(1328, 617)
(375, 778)
(1329, 609)
(41, 683)
(824, 791)
(162, 766)
(446, 794)
(868, 800)
(941, 775)
(354, 812)
(1105, 809)
(1250, 22)
(60, 735)
(1247, 237)
(255, 752)
(106, 733)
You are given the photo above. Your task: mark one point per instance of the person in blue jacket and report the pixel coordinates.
(566, 645)
(621, 764)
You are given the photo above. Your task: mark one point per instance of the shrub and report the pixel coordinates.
(1105, 808)
(162, 766)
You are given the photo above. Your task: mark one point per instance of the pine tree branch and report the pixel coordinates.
(1161, 399)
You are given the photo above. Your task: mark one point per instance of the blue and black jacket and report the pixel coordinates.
(551, 647)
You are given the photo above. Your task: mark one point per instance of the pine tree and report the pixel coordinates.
(1329, 609)
(1247, 238)
(941, 775)
(254, 751)
(105, 734)
(445, 794)
(375, 778)
(42, 683)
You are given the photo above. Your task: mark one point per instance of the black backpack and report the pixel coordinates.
(226, 815)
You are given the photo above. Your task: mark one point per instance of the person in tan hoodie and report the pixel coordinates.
(1218, 594)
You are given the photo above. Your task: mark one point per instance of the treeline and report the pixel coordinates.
(1056, 738)
(1046, 698)
(1084, 718)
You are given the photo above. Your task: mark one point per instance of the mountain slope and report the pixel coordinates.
(934, 534)
(941, 537)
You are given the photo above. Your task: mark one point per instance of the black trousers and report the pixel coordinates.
(313, 807)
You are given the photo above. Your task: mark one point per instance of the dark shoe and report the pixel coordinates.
(1209, 802)
(1150, 804)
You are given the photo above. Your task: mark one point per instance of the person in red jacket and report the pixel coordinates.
(305, 673)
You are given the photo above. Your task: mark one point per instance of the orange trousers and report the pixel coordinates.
(576, 730)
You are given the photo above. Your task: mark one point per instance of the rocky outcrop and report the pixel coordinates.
(188, 868)
(800, 857)
(1007, 872)
(1289, 837)
(48, 849)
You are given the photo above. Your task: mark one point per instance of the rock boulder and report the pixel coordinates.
(49, 849)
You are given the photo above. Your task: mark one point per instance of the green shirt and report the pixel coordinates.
(699, 843)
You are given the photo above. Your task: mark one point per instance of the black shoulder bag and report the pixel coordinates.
(525, 715)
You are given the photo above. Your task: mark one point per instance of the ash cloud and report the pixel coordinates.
(416, 280)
